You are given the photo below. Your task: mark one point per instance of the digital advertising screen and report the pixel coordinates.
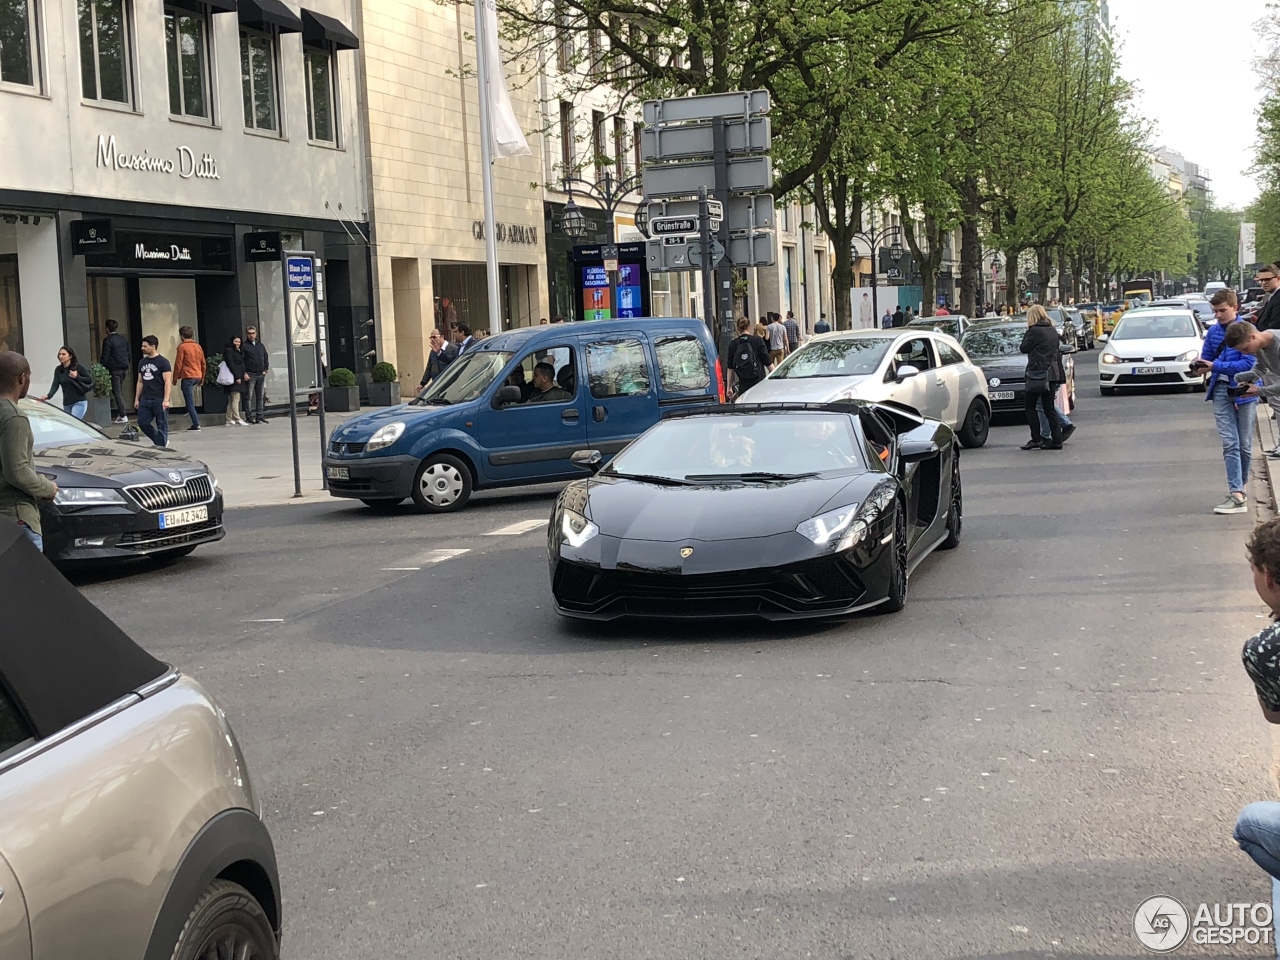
(630, 292)
(595, 294)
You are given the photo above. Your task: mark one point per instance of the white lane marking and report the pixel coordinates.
(437, 556)
(268, 620)
(515, 529)
(401, 568)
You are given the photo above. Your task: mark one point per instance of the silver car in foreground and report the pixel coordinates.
(129, 826)
(923, 369)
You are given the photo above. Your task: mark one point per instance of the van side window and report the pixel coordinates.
(682, 364)
(545, 375)
(617, 368)
(14, 731)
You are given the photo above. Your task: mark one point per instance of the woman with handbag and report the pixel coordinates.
(1043, 347)
(74, 380)
(234, 379)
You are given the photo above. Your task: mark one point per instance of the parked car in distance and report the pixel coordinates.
(1201, 308)
(1151, 347)
(514, 409)
(118, 498)
(953, 325)
(995, 345)
(131, 827)
(1067, 321)
(858, 494)
(923, 369)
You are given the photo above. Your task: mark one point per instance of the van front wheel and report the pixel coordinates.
(442, 484)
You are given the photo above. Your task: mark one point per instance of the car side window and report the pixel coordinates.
(916, 353)
(947, 353)
(617, 368)
(14, 731)
(682, 364)
(545, 375)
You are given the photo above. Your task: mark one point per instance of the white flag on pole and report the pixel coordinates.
(504, 129)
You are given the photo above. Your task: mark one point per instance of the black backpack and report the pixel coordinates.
(744, 361)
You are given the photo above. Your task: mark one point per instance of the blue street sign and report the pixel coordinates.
(299, 273)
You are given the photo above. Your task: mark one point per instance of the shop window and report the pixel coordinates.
(10, 303)
(322, 113)
(186, 37)
(104, 50)
(260, 80)
(18, 48)
(682, 364)
(617, 368)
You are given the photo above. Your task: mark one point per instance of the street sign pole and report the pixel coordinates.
(292, 260)
(704, 238)
(724, 270)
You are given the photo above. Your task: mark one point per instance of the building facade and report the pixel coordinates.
(144, 141)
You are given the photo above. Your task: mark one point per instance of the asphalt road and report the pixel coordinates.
(1056, 728)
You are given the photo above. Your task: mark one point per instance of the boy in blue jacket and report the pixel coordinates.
(1233, 412)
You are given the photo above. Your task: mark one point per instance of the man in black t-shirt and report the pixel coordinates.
(155, 379)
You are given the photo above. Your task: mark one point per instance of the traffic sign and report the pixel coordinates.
(745, 213)
(685, 253)
(299, 273)
(736, 103)
(687, 141)
(695, 253)
(745, 175)
(673, 226)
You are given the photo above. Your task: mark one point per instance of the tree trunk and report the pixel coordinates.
(1044, 263)
(838, 204)
(1077, 276)
(1011, 297)
(1063, 270)
(970, 251)
(930, 261)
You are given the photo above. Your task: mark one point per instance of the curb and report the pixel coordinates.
(1264, 468)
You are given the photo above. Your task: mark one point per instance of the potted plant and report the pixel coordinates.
(213, 395)
(341, 394)
(384, 391)
(100, 399)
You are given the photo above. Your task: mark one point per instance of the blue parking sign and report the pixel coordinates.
(300, 273)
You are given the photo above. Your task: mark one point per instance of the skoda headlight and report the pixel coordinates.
(1111, 358)
(385, 436)
(1189, 355)
(86, 496)
(575, 529)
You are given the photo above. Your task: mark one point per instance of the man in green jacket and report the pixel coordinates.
(21, 488)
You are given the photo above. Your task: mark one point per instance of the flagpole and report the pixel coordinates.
(486, 171)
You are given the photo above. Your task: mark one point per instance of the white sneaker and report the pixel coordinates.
(1233, 504)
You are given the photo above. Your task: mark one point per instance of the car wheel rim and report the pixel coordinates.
(957, 504)
(977, 420)
(441, 484)
(901, 552)
(231, 940)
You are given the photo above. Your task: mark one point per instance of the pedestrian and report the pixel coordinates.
(866, 312)
(899, 317)
(793, 332)
(1233, 413)
(1060, 400)
(435, 366)
(822, 326)
(749, 359)
(21, 488)
(887, 320)
(462, 337)
(238, 386)
(544, 322)
(256, 363)
(1043, 348)
(74, 380)
(1268, 317)
(777, 339)
(942, 311)
(1257, 828)
(151, 398)
(1264, 378)
(115, 357)
(188, 369)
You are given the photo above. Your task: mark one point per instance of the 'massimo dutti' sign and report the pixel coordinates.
(184, 164)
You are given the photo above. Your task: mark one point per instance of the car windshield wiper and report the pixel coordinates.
(757, 477)
(440, 400)
(649, 478)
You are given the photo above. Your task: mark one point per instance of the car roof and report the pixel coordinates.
(1160, 312)
(62, 658)
(530, 336)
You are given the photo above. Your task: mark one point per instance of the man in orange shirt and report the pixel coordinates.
(188, 370)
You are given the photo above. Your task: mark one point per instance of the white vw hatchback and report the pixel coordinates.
(923, 369)
(1150, 347)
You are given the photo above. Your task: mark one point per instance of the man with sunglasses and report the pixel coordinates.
(1268, 277)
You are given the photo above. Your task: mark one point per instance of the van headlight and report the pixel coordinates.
(385, 436)
(575, 529)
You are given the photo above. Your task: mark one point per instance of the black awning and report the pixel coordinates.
(319, 31)
(264, 14)
(202, 6)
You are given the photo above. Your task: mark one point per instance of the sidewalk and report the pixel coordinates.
(254, 464)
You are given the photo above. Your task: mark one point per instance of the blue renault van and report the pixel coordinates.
(515, 407)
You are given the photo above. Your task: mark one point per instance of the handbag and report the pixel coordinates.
(1037, 382)
(225, 379)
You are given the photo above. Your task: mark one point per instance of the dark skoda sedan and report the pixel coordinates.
(118, 498)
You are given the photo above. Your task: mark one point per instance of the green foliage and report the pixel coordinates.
(101, 380)
(341, 378)
(383, 373)
(211, 364)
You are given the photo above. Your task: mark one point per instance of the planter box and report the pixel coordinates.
(99, 412)
(384, 394)
(215, 400)
(342, 399)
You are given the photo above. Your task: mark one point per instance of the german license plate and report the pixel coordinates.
(1139, 371)
(1001, 394)
(338, 473)
(183, 518)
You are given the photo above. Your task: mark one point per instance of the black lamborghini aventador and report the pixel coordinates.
(777, 511)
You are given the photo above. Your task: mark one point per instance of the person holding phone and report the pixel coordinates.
(1234, 413)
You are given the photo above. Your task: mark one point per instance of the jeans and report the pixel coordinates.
(257, 392)
(153, 420)
(77, 409)
(1044, 400)
(1045, 432)
(1235, 427)
(34, 537)
(189, 395)
(1258, 833)
(117, 391)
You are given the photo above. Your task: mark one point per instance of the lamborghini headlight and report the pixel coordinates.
(845, 527)
(575, 529)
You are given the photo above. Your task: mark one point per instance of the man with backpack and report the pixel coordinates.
(748, 359)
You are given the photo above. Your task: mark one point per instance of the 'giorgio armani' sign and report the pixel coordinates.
(184, 162)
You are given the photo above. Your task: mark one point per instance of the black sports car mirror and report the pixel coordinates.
(914, 451)
(591, 460)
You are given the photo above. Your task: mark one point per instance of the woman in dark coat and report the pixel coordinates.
(74, 380)
(1043, 348)
(233, 357)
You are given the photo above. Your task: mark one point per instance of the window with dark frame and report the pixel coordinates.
(19, 49)
(637, 147)
(186, 38)
(566, 139)
(564, 40)
(259, 76)
(322, 112)
(620, 149)
(104, 50)
(599, 157)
